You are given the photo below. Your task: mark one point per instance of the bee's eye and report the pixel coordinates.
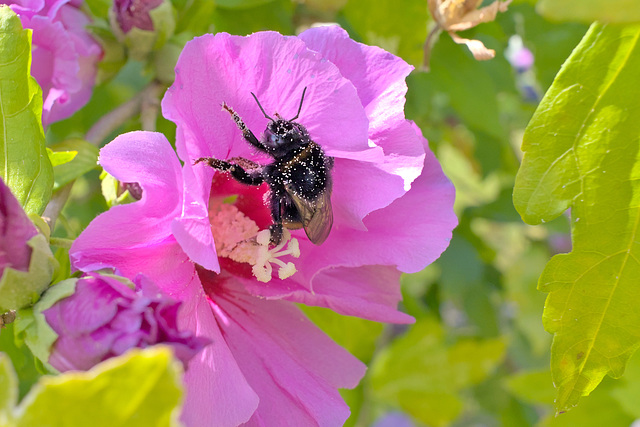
(274, 138)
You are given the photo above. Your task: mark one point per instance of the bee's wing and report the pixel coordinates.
(317, 215)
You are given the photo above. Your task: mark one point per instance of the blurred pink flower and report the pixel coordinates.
(16, 229)
(104, 318)
(134, 14)
(392, 213)
(64, 55)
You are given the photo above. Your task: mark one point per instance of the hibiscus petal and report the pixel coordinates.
(193, 229)
(218, 393)
(292, 365)
(379, 78)
(421, 229)
(136, 236)
(277, 69)
(370, 292)
(361, 187)
(378, 75)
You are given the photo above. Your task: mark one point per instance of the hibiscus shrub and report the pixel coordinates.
(140, 286)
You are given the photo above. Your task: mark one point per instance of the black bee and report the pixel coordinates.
(299, 177)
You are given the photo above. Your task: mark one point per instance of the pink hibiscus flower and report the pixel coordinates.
(197, 233)
(64, 55)
(104, 318)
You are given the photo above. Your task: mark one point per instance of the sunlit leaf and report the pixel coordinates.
(141, 388)
(581, 151)
(24, 164)
(8, 389)
(610, 11)
(58, 158)
(21, 359)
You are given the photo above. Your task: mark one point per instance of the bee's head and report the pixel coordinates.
(282, 135)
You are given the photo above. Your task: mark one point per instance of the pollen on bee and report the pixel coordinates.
(238, 238)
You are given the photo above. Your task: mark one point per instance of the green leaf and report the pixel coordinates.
(58, 158)
(611, 11)
(19, 288)
(21, 358)
(581, 151)
(24, 164)
(32, 327)
(8, 390)
(140, 388)
(399, 30)
(85, 160)
(424, 376)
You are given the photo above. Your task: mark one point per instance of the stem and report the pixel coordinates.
(57, 202)
(60, 242)
(150, 107)
(428, 44)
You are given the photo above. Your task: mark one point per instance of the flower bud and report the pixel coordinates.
(26, 262)
(142, 25)
(105, 318)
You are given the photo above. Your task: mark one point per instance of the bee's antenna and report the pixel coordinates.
(300, 107)
(261, 109)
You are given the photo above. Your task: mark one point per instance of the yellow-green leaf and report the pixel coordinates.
(8, 390)
(84, 160)
(139, 389)
(582, 151)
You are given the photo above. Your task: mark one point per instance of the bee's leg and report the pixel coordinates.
(237, 172)
(246, 132)
(276, 214)
(244, 163)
